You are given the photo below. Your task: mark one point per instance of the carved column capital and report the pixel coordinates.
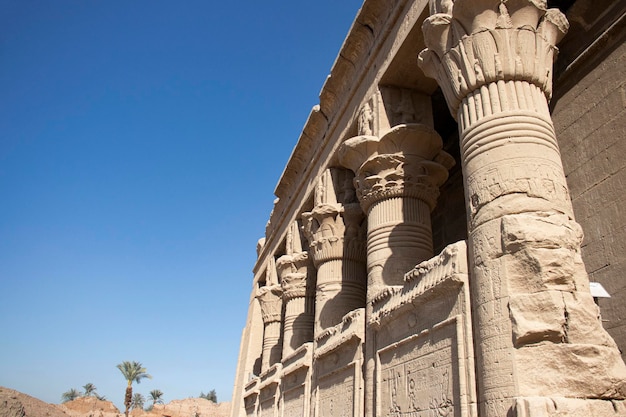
(270, 298)
(406, 162)
(293, 272)
(471, 44)
(334, 232)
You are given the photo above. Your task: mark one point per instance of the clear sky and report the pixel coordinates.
(140, 144)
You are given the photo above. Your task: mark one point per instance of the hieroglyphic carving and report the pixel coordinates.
(336, 394)
(539, 179)
(493, 60)
(419, 376)
(294, 402)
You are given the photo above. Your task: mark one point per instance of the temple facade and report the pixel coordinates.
(451, 223)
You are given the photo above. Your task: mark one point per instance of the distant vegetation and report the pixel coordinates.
(137, 402)
(90, 391)
(211, 396)
(156, 395)
(132, 372)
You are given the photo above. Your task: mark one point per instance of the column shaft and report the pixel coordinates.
(399, 237)
(271, 345)
(536, 332)
(335, 231)
(270, 299)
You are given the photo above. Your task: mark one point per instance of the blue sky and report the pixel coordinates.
(140, 144)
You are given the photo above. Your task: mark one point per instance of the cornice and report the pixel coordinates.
(341, 96)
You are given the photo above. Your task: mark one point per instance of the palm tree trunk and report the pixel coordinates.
(128, 398)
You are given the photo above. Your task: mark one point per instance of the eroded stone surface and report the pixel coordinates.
(394, 339)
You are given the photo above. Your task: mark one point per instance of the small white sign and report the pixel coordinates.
(598, 291)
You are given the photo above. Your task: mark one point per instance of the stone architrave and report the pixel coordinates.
(271, 301)
(334, 229)
(536, 331)
(397, 181)
(294, 270)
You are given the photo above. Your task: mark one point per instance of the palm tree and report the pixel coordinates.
(90, 390)
(70, 395)
(133, 372)
(156, 395)
(137, 401)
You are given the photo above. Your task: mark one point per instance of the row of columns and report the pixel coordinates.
(370, 224)
(536, 329)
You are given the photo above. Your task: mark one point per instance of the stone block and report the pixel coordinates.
(570, 370)
(570, 407)
(581, 309)
(538, 317)
(533, 230)
(533, 270)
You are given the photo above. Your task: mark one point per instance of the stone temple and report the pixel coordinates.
(425, 255)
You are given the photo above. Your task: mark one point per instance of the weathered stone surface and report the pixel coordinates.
(571, 370)
(16, 404)
(189, 407)
(521, 296)
(571, 407)
(91, 407)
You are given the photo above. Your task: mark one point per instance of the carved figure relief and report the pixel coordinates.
(366, 120)
(416, 375)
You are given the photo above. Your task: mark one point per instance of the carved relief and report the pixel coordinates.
(528, 177)
(293, 266)
(335, 223)
(366, 119)
(404, 106)
(294, 402)
(417, 376)
(473, 44)
(397, 180)
(336, 394)
(335, 230)
(298, 292)
(407, 161)
(270, 298)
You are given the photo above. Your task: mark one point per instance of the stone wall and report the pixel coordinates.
(416, 266)
(590, 119)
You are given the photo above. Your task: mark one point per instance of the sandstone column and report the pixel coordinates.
(537, 333)
(295, 271)
(334, 230)
(397, 178)
(270, 299)
(397, 181)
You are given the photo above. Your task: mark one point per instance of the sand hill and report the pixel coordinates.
(16, 404)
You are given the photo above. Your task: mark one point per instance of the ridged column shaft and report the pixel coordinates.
(536, 332)
(399, 236)
(335, 232)
(270, 299)
(397, 178)
(298, 286)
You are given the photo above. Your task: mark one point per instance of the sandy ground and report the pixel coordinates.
(16, 404)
